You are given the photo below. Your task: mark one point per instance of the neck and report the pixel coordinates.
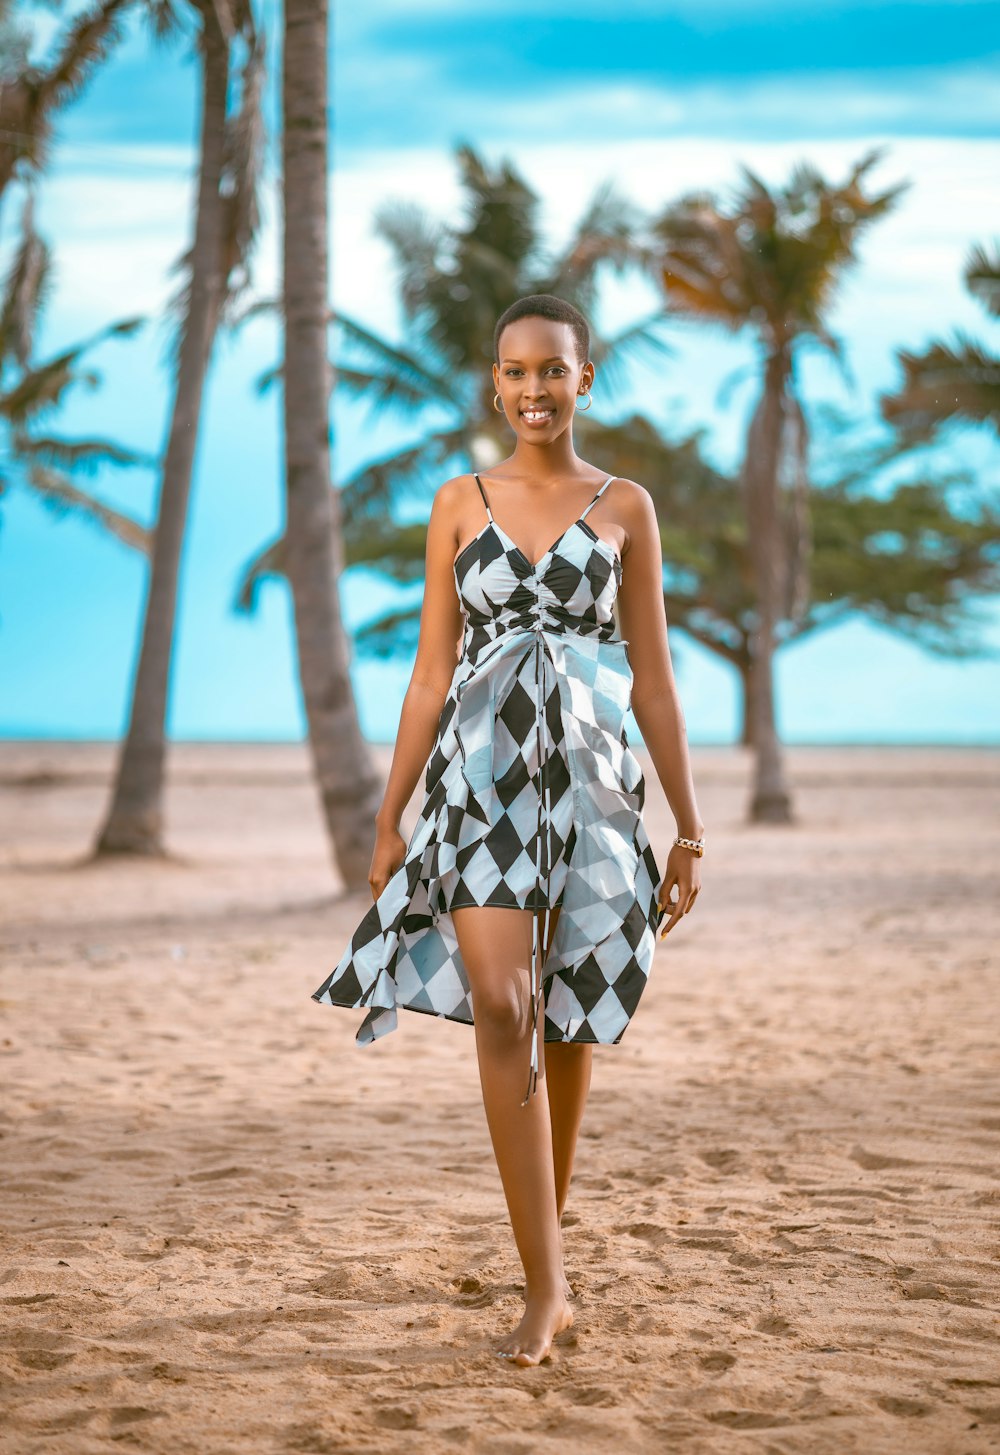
(554, 459)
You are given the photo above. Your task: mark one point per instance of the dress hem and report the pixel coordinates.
(461, 1021)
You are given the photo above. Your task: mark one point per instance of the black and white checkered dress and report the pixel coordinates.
(533, 800)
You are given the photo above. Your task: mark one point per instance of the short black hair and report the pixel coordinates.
(546, 305)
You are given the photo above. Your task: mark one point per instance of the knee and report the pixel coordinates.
(498, 1012)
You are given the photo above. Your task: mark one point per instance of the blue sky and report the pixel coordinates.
(663, 98)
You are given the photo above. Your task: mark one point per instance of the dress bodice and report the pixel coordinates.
(571, 588)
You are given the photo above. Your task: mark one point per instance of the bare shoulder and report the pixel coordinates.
(454, 496)
(634, 507)
(451, 504)
(453, 493)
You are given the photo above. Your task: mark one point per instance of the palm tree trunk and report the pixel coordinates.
(350, 788)
(771, 801)
(135, 819)
(745, 668)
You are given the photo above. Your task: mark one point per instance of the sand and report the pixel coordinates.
(227, 1228)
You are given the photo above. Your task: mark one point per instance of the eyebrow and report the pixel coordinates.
(553, 359)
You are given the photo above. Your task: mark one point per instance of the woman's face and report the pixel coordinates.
(539, 376)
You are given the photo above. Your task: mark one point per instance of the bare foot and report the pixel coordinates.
(531, 1341)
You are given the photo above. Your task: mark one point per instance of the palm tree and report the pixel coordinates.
(454, 281)
(225, 225)
(770, 261)
(349, 786)
(959, 380)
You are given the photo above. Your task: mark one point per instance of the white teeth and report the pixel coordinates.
(537, 413)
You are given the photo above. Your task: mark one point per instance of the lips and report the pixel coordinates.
(537, 417)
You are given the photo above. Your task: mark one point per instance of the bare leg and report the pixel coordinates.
(567, 1075)
(567, 1078)
(496, 948)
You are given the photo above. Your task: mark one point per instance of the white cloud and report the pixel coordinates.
(944, 100)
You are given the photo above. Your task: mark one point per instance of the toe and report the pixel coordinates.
(532, 1355)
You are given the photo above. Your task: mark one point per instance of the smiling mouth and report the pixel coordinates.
(536, 416)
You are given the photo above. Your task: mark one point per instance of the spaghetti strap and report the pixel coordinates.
(482, 492)
(598, 495)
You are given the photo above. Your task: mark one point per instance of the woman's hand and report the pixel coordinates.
(684, 870)
(389, 853)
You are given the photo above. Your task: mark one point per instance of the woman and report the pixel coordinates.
(528, 891)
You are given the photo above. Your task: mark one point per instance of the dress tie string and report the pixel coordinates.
(542, 908)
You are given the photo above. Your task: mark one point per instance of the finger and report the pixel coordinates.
(674, 917)
(672, 909)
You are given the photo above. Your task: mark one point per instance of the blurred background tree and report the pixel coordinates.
(215, 270)
(769, 261)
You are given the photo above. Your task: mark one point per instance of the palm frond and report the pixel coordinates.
(372, 490)
(606, 233)
(88, 41)
(267, 378)
(641, 340)
(25, 291)
(164, 19)
(420, 381)
(63, 497)
(29, 98)
(982, 278)
(959, 381)
(381, 390)
(416, 240)
(242, 313)
(43, 386)
(268, 563)
(82, 455)
(241, 176)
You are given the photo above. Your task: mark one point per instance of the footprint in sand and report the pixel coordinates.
(723, 1159)
(773, 1324)
(876, 1162)
(746, 1419)
(595, 1398)
(475, 1294)
(69, 1420)
(900, 1405)
(651, 1233)
(717, 1363)
(132, 1414)
(36, 1358)
(396, 1417)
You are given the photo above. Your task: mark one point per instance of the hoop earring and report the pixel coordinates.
(585, 395)
(501, 409)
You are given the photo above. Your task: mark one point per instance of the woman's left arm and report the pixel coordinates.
(655, 699)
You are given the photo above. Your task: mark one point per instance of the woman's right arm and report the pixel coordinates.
(438, 651)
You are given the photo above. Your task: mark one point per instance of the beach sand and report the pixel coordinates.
(228, 1228)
